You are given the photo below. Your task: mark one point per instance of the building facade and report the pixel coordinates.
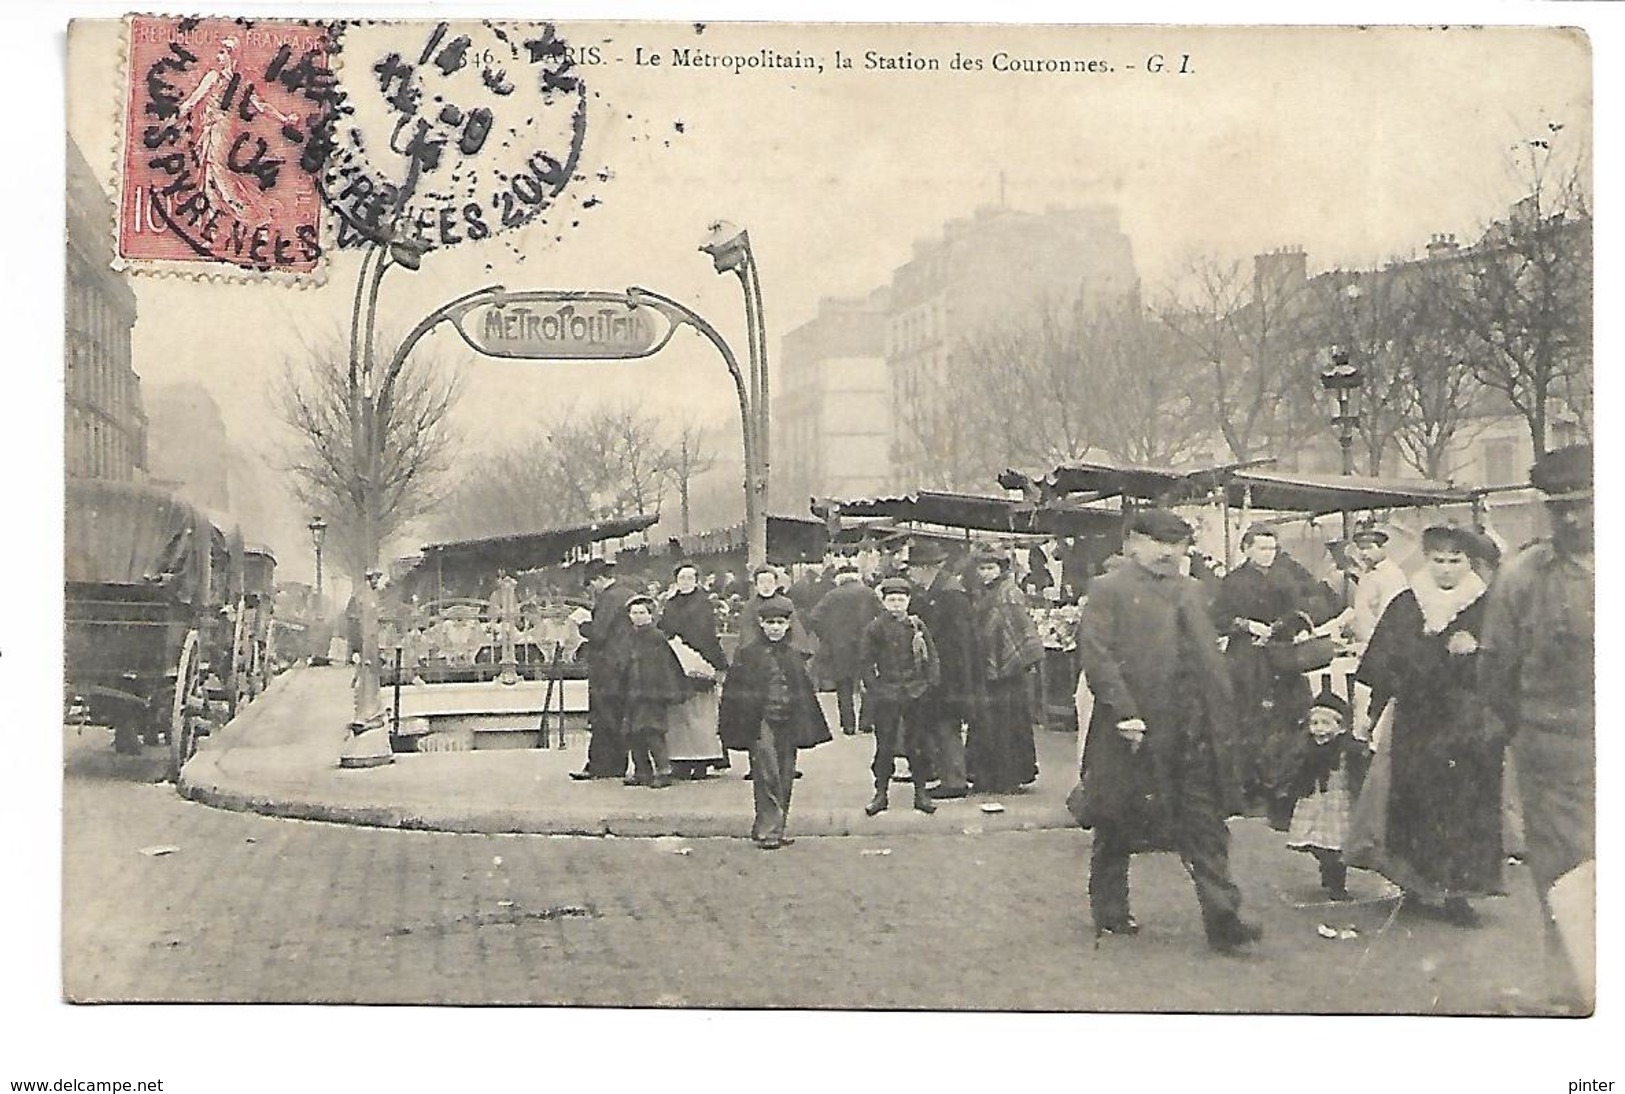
(984, 271)
(832, 409)
(105, 427)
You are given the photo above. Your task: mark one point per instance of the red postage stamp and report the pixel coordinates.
(223, 142)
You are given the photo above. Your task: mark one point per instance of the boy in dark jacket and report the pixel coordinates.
(649, 679)
(899, 663)
(769, 708)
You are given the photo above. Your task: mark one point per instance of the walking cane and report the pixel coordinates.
(547, 702)
(558, 672)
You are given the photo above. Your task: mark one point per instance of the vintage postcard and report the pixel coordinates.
(792, 515)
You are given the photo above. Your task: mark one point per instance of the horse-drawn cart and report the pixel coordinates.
(153, 593)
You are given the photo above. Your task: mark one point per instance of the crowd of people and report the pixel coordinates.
(1201, 701)
(937, 670)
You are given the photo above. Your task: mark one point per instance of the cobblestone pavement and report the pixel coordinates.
(255, 908)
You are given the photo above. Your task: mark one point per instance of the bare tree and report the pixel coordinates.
(1528, 308)
(690, 458)
(1073, 381)
(1439, 396)
(312, 396)
(613, 461)
(1254, 340)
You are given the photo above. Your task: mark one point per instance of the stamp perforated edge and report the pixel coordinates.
(203, 272)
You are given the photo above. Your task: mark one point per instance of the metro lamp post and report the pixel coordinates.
(370, 741)
(730, 251)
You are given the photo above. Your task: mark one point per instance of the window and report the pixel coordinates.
(1500, 462)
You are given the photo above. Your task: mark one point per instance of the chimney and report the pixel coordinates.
(1442, 244)
(1279, 271)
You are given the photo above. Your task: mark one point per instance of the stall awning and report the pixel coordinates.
(529, 550)
(976, 512)
(1302, 492)
(1164, 485)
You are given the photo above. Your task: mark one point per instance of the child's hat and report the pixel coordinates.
(775, 607)
(895, 585)
(1331, 701)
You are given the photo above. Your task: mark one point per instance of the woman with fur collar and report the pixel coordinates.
(1442, 839)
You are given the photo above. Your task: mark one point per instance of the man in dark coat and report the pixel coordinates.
(838, 621)
(607, 750)
(1158, 766)
(943, 605)
(1538, 671)
(807, 590)
(899, 665)
(769, 707)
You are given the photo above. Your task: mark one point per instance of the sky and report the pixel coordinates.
(1355, 144)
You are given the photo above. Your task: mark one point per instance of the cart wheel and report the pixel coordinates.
(188, 684)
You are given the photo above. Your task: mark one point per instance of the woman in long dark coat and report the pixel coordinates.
(1000, 754)
(691, 734)
(1442, 839)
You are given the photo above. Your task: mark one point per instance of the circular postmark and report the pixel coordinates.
(446, 132)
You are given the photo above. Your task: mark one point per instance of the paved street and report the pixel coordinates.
(257, 908)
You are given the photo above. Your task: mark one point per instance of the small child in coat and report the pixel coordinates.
(649, 680)
(770, 709)
(899, 664)
(1329, 768)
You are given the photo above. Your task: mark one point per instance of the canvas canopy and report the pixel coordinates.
(120, 533)
(1302, 492)
(527, 550)
(978, 512)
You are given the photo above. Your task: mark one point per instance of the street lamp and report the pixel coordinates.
(1343, 380)
(318, 532)
(730, 251)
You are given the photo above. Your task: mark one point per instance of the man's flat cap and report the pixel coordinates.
(1160, 525)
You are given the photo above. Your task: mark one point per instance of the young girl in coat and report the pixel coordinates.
(1327, 773)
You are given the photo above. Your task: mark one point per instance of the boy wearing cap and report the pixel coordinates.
(899, 664)
(648, 679)
(1159, 765)
(944, 607)
(770, 709)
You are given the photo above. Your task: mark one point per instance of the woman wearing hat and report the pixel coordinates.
(1441, 840)
(999, 750)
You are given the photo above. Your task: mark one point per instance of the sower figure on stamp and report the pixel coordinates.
(943, 605)
(606, 635)
(1159, 767)
(899, 663)
(1537, 670)
(770, 709)
(649, 682)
